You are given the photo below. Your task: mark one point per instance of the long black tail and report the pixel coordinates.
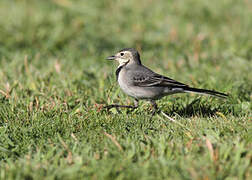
(205, 91)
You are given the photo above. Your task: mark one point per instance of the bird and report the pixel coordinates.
(141, 83)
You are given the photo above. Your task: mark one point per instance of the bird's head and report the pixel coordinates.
(126, 56)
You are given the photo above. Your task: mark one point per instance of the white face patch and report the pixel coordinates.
(122, 61)
(123, 57)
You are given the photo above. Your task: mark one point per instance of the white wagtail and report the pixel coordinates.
(141, 83)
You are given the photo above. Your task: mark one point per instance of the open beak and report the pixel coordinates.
(111, 58)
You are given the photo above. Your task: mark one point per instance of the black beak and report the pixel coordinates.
(111, 58)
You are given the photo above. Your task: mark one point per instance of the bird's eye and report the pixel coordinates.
(121, 54)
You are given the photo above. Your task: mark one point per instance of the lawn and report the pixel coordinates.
(54, 81)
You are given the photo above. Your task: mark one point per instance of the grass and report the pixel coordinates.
(54, 82)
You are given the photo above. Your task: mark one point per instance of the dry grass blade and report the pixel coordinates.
(69, 153)
(4, 93)
(210, 148)
(173, 120)
(57, 66)
(113, 139)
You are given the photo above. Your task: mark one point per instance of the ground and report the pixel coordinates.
(55, 81)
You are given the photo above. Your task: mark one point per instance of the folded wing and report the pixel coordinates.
(154, 79)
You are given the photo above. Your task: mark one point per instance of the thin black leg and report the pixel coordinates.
(122, 106)
(154, 105)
